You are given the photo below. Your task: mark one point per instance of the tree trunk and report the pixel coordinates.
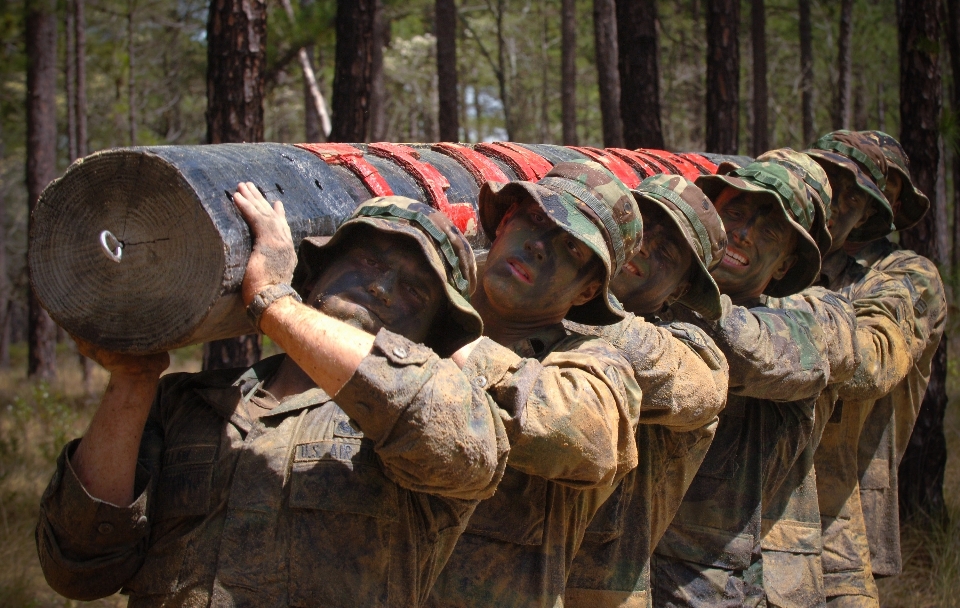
(70, 69)
(446, 30)
(758, 36)
(923, 464)
(131, 81)
(236, 57)
(806, 73)
(568, 71)
(41, 47)
(608, 73)
(723, 76)
(4, 283)
(353, 70)
(80, 39)
(544, 75)
(639, 74)
(312, 130)
(953, 40)
(841, 108)
(378, 92)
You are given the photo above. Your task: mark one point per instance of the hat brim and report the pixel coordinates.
(495, 200)
(703, 295)
(880, 223)
(807, 267)
(459, 325)
(914, 204)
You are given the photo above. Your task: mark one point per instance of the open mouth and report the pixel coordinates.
(735, 259)
(520, 271)
(632, 269)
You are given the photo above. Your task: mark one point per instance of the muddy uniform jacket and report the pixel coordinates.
(887, 430)
(791, 542)
(885, 329)
(316, 503)
(683, 376)
(570, 406)
(776, 373)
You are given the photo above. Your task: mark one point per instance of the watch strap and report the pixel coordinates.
(267, 296)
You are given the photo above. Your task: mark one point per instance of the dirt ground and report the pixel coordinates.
(37, 419)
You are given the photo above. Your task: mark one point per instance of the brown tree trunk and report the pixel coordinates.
(41, 47)
(923, 464)
(131, 81)
(639, 74)
(378, 92)
(568, 71)
(953, 40)
(608, 73)
(4, 283)
(236, 57)
(70, 69)
(446, 31)
(758, 36)
(80, 39)
(806, 73)
(841, 107)
(544, 75)
(353, 69)
(723, 76)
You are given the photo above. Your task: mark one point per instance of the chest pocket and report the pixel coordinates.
(516, 513)
(185, 481)
(724, 457)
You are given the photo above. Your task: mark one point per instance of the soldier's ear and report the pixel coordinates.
(785, 266)
(868, 212)
(588, 293)
(680, 291)
(511, 211)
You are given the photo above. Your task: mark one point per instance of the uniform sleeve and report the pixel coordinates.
(680, 370)
(570, 418)
(885, 329)
(773, 354)
(89, 548)
(434, 430)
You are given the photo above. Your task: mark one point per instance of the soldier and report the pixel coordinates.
(887, 430)
(569, 401)
(790, 542)
(709, 555)
(683, 377)
(856, 169)
(254, 487)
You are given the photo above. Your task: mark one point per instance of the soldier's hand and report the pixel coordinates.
(273, 257)
(119, 364)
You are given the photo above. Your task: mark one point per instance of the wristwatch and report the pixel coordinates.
(267, 296)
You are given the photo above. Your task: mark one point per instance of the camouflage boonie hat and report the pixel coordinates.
(819, 190)
(589, 202)
(790, 193)
(864, 160)
(694, 215)
(913, 203)
(445, 248)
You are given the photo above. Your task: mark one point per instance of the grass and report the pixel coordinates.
(36, 419)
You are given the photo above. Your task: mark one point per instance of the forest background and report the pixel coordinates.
(145, 82)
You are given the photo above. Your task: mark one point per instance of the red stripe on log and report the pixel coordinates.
(680, 165)
(702, 162)
(641, 163)
(480, 167)
(612, 163)
(352, 159)
(529, 165)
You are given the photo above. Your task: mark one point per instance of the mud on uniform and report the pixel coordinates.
(683, 376)
(570, 406)
(886, 432)
(299, 507)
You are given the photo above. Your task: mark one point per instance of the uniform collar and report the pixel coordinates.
(540, 343)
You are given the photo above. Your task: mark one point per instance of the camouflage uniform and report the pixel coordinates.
(570, 404)
(887, 430)
(709, 554)
(683, 377)
(357, 502)
(885, 330)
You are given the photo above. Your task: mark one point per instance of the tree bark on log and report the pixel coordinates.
(723, 76)
(445, 21)
(639, 74)
(923, 464)
(236, 58)
(806, 73)
(758, 36)
(41, 47)
(568, 71)
(608, 73)
(352, 75)
(842, 94)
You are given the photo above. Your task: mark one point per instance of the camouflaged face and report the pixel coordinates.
(914, 203)
(819, 191)
(443, 245)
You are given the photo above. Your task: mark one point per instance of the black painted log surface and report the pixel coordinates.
(185, 247)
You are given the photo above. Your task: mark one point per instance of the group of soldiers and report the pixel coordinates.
(688, 394)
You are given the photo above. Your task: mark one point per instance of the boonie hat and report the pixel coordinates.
(693, 214)
(913, 203)
(444, 246)
(819, 190)
(590, 203)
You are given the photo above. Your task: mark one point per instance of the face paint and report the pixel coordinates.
(760, 245)
(848, 207)
(658, 270)
(893, 190)
(535, 269)
(380, 280)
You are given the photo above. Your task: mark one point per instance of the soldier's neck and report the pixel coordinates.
(289, 380)
(504, 329)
